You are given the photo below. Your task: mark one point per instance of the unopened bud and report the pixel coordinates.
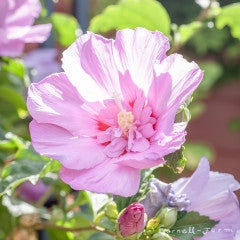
(111, 211)
(131, 221)
(153, 223)
(167, 216)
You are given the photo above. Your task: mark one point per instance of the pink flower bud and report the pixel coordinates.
(132, 220)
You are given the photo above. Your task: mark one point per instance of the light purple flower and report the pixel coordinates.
(162, 193)
(16, 26)
(43, 63)
(112, 112)
(132, 220)
(210, 194)
(32, 193)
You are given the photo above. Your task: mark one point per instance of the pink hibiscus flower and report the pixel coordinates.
(16, 20)
(111, 113)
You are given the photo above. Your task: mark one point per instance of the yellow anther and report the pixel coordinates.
(125, 121)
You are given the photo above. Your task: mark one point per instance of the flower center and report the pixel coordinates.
(125, 121)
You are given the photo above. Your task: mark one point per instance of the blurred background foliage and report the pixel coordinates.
(206, 31)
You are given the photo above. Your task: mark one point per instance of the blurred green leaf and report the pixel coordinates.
(106, 223)
(65, 27)
(209, 39)
(27, 166)
(195, 151)
(12, 96)
(6, 220)
(230, 15)
(101, 236)
(196, 109)
(212, 73)
(234, 125)
(14, 66)
(149, 14)
(60, 235)
(186, 31)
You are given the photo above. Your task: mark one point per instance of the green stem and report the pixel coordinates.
(90, 228)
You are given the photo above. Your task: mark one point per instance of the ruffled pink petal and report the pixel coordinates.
(140, 145)
(38, 33)
(57, 143)
(137, 51)
(104, 178)
(146, 130)
(89, 65)
(185, 78)
(141, 160)
(116, 147)
(55, 100)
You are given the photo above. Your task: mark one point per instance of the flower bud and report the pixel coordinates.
(32, 193)
(161, 236)
(153, 223)
(111, 211)
(131, 220)
(167, 216)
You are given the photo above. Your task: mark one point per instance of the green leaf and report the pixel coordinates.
(52, 166)
(6, 220)
(106, 223)
(27, 166)
(15, 98)
(13, 65)
(234, 125)
(149, 14)
(176, 160)
(122, 202)
(190, 225)
(212, 73)
(186, 31)
(65, 27)
(205, 40)
(230, 15)
(60, 235)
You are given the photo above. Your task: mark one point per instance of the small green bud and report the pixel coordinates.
(111, 211)
(167, 216)
(153, 223)
(161, 236)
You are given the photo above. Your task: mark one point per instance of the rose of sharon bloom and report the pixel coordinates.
(210, 194)
(16, 20)
(132, 220)
(43, 63)
(111, 113)
(162, 193)
(32, 193)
